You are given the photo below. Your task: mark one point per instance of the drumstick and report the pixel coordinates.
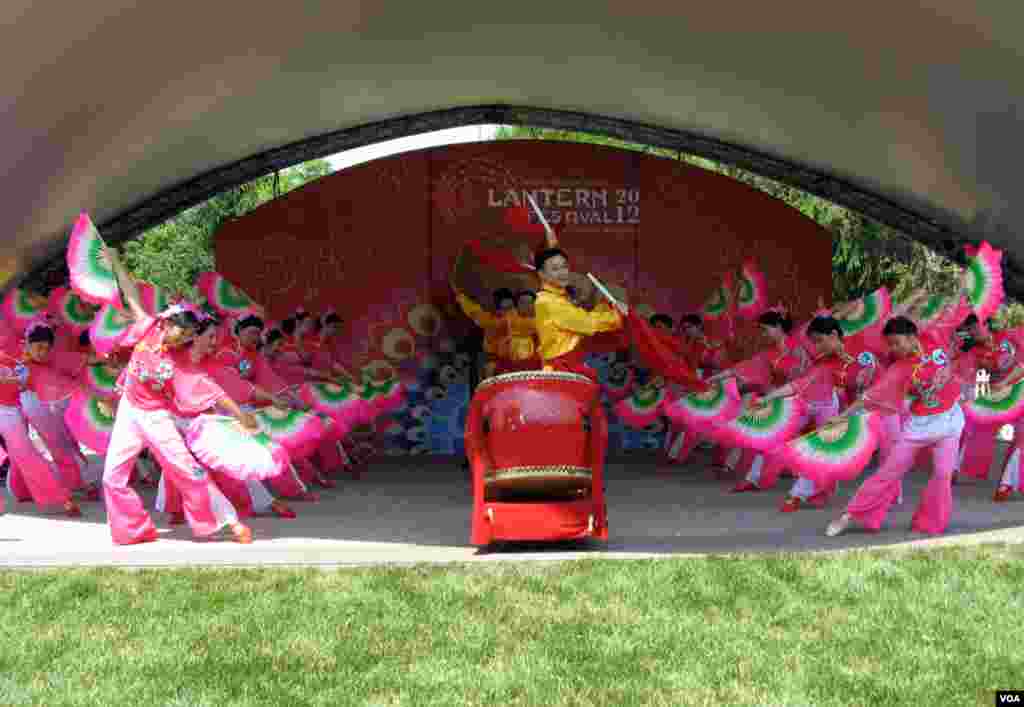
(540, 215)
(608, 295)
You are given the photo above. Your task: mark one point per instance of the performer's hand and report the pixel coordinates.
(999, 390)
(964, 281)
(834, 422)
(249, 422)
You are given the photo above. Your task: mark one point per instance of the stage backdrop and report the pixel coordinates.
(377, 243)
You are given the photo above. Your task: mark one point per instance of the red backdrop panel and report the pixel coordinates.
(377, 239)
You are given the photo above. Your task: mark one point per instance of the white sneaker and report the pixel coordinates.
(838, 527)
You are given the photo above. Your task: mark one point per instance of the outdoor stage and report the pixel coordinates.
(415, 510)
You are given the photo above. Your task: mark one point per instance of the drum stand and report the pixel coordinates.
(549, 520)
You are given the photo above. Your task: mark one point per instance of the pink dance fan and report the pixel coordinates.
(221, 444)
(764, 427)
(871, 311)
(101, 380)
(721, 403)
(933, 308)
(108, 328)
(837, 452)
(222, 295)
(998, 408)
(984, 279)
(642, 407)
(154, 299)
(620, 382)
(720, 304)
(752, 297)
(295, 430)
(20, 309)
(91, 420)
(92, 277)
(71, 310)
(382, 397)
(339, 401)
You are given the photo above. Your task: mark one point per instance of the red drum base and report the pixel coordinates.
(538, 466)
(542, 522)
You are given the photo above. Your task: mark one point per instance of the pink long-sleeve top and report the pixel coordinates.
(159, 378)
(775, 366)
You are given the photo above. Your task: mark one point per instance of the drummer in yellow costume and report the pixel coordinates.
(519, 350)
(561, 325)
(496, 325)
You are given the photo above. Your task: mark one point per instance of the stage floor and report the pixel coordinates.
(415, 510)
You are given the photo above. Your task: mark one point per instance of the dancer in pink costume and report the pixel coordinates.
(709, 357)
(239, 358)
(53, 377)
(923, 368)
(237, 364)
(248, 497)
(30, 475)
(784, 361)
(159, 383)
(840, 373)
(293, 356)
(1000, 353)
(1012, 479)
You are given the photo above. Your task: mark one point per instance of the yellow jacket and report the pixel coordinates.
(561, 325)
(496, 328)
(521, 343)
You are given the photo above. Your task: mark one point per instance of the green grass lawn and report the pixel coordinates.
(933, 628)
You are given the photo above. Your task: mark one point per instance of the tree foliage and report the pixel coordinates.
(172, 254)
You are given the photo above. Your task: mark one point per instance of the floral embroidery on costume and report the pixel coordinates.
(930, 376)
(156, 379)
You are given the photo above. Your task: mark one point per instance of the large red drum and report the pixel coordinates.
(536, 441)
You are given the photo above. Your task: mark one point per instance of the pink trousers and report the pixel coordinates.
(877, 494)
(1011, 471)
(681, 441)
(978, 446)
(48, 420)
(30, 475)
(767, 467)
(248, 497)
(206, 508)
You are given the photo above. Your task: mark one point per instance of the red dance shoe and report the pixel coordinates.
(744, 487)
(71, 509)
(1002, 493)
(150, 536)
(790, 505)
(323, 482)
(93, 493)
(281, 510)
(177, 518)
(242, 533)
(722, 471)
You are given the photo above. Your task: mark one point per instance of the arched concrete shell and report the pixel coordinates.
(133, 110)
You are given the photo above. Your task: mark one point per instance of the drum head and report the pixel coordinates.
(538, 482)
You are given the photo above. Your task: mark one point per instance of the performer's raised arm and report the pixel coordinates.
(561, 325)
(129, 289)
